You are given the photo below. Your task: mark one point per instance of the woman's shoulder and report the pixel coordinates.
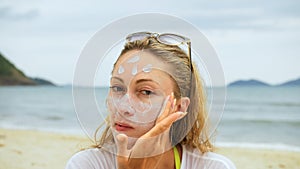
(194, 159)
(91, 158)
(228, 164)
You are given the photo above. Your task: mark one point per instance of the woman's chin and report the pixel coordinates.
(130, 133)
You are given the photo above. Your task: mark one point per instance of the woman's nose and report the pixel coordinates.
(125, 107)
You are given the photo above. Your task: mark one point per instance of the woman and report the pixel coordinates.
(157, 111)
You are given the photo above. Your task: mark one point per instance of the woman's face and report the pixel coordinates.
(139, 87)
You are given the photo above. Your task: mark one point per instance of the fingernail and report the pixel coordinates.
(182, 114)
(174, 103)
(121, 137)
(168, 97)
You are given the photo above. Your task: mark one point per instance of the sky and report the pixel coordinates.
(254, 39)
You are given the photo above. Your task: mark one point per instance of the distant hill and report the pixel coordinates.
(291, 83)
(251, 82)
(10, 75)
(40, 81)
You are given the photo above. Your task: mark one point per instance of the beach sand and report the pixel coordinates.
(23, 149)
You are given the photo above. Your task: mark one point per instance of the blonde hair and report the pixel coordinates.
(189, 84)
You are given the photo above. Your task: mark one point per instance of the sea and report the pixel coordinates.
(253, 117)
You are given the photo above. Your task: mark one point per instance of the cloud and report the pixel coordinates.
(252, 15)
(56, 30)
(10, 14)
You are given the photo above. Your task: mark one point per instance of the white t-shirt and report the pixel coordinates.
(191, 159)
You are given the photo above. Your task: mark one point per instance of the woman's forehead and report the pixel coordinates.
(156, 77)
(141, 66)
(140, 61)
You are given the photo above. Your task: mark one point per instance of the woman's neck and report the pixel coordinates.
(162, 161)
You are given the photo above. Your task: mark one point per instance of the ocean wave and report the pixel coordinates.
(53, 118)
(284, 104)
(65, 130)
(234, 119)
(255, 103)
(265, 146)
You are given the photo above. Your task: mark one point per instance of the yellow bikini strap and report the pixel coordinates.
(177, 158)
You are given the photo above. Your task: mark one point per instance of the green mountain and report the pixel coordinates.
(10, 75)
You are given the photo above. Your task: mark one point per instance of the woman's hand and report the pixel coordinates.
(149, 148)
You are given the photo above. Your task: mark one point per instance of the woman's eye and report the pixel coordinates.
(117, 89)
(146, 92)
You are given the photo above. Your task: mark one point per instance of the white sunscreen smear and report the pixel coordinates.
(147, 68)
(121, 69)
(134, 59)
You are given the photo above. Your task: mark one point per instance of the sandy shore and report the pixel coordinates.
(23, 149)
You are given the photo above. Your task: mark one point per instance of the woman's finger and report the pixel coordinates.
(122, 141)
(168, 107)
(164, 124)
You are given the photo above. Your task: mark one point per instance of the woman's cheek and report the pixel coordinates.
(110, 106)
(147, 127)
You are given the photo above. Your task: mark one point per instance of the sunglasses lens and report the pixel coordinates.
(137, 36)
(171, 39)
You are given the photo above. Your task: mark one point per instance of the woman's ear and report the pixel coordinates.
(183, 104)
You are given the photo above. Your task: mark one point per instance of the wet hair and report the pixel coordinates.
(192, 129)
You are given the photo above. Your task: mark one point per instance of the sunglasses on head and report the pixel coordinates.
(165, 38)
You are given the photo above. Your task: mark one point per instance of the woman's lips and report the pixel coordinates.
(122, 126)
